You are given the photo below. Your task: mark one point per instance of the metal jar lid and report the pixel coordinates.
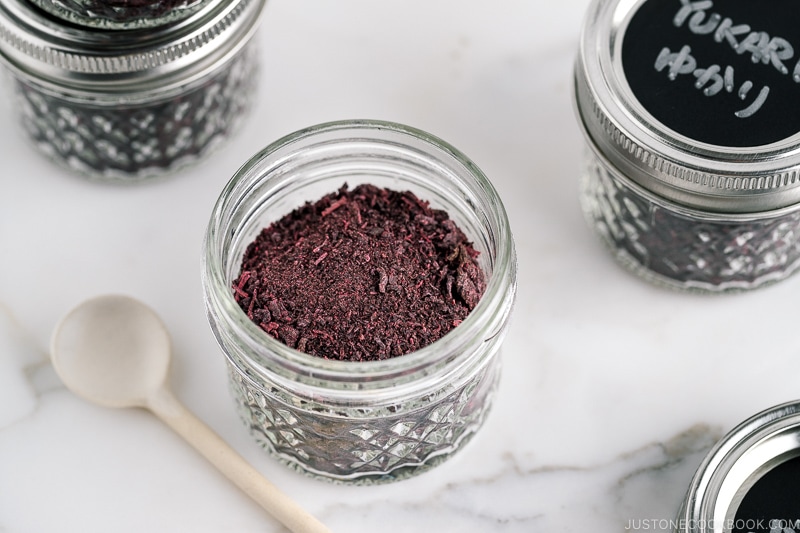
(695, 100)
(63, 56)
(729, 474)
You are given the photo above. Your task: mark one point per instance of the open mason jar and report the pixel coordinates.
(353, 421)
(746, 482)
(133, 104)
(692, 170)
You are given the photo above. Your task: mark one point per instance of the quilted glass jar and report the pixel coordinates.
(692, 168)
(133, 104)
(353, 421)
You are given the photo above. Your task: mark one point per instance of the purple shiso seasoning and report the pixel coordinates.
(121, 14)
(362, 274)
(129, 105)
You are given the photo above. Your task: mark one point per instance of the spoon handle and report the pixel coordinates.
(234, 466)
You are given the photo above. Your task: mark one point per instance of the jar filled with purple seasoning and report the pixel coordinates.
(125, 105)
(359, 277)
(121, 14)
(692, 174)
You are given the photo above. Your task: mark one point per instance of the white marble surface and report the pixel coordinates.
(612, 389)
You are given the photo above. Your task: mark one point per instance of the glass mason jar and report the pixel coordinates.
(746, 481)
(351, 421)
(692, 168)
(134, 104)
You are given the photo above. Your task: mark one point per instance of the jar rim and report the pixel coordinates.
(689, 172)
(62, 55)
(674, 202)
(500, 286)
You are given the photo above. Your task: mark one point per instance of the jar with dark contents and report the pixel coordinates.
(692, 168)
(121, 14)
(746, 481)
(133, 104)
(359, 420)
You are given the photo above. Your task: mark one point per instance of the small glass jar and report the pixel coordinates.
(134, 104)
(121, 14)
(746, 482)
(692, 168)
(348, 421)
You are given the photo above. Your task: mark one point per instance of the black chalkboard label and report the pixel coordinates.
(723, 72)
(772, 505)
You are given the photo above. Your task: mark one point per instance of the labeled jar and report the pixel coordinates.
(133, 104)
(121, 14)
(747, 481)
(360, 421)
(692, 168)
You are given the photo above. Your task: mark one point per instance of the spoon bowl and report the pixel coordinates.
(113, 351)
